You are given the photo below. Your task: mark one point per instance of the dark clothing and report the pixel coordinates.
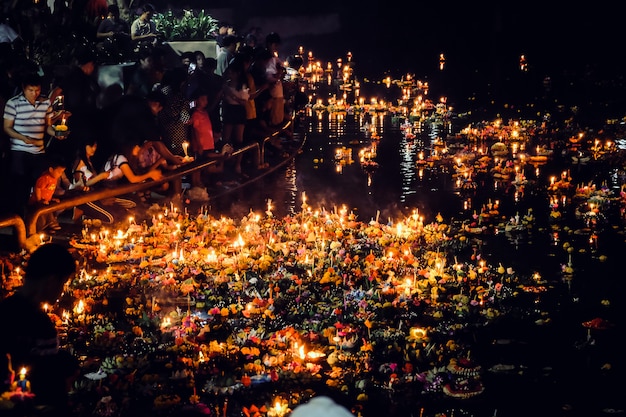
(24, 170)
(174, 118)
(117, 26)
(127, 120)
(80, 93)
(32, 341)
(141, 82)
(234, 114)
(117, 45)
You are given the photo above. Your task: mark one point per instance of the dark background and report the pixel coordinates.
(410, 35)
(579, 47)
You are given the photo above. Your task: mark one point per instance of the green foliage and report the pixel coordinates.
(191, 26)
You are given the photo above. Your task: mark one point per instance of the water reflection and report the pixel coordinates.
(366, 161)
(407, 168)
(377, 163)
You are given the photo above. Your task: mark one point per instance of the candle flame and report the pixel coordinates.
(301, 352)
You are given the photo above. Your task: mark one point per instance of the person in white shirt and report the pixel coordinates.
(227, 53)
(27, 120)
(143, 30)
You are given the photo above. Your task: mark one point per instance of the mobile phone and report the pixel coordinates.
(192, 68)
(192, 104)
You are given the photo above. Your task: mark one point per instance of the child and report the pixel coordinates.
(43, 194)
(203, 146)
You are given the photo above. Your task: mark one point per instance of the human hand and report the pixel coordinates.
(60, 115)
(33, 141)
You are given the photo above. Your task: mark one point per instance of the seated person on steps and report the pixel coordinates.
(43, 194)
(85, 177)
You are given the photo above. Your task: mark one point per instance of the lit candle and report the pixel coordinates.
(185, 146)
(269, 207)
(23, 383)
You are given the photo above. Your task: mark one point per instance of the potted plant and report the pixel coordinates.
(193, 31)
(191, 26)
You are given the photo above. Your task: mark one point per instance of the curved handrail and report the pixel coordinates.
(19, 227)
(95, 195)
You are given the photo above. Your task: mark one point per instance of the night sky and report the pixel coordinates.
(401, 35)
(408, 36)
(482, 41)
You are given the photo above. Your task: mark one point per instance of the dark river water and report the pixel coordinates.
(538, 360)
(557, 370)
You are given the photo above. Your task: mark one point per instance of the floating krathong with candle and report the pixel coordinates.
(465, 381)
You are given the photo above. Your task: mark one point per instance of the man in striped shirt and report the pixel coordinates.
(27, 119)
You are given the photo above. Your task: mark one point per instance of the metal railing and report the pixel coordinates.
(96, 195)
(19, 228)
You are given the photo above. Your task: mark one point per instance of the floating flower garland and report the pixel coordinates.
(188, 311)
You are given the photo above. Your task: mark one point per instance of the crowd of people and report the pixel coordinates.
(64, 133)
